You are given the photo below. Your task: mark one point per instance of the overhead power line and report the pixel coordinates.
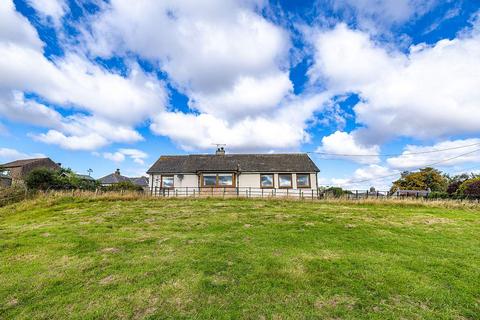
(390, 154)
(399, 171)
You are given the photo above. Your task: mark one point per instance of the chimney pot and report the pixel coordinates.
(117, 171)
(220, 151)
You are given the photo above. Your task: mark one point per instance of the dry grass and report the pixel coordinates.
(123, 256)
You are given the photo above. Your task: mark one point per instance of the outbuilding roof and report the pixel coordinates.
(21, 163)
(289, 162)
(113, 178)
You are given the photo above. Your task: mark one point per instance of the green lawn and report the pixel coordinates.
(231, 259)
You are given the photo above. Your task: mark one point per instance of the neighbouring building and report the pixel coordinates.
(5, 181)
(19, 169)
(277, 172)
(116, 177)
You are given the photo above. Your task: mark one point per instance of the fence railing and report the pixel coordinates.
(247, 192)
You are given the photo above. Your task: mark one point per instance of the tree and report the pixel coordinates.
(45, 179)
(41, 179)
(455, 182)
(470, 188)
(426, 179)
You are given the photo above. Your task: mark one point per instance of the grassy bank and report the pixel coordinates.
(208, 258)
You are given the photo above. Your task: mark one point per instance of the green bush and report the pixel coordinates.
(470, 188)
(41, 179)
(46, 179)
(336, 192)
(124, 186)
(438, 195)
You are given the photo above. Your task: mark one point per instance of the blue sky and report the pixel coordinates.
(115, 84)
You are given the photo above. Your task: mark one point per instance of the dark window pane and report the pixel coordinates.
(303, 180)
(210, 180)
(167, 182)
(225, 179)
(285, 180)
(266, 180)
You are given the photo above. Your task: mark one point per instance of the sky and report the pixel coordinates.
(368, 88)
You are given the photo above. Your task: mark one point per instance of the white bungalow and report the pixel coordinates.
(266, 173)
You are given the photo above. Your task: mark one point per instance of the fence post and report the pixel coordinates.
(312, 194)
(250, 192)
(224, 192)
(356, 194)
(262, 193)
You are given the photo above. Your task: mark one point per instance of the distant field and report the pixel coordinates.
(248, 259)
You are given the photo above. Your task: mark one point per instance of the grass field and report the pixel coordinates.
(250, 259)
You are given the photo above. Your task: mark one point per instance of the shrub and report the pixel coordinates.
(337, 192)
(470, 188)
(124, 186)
(41, 179)
(438, 195)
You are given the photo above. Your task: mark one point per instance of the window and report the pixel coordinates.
(167, 182)
(266, 180)
(5, 172)
(210, 180)
(219, 180)
(225, 180)
(303, 180)
(285, 180)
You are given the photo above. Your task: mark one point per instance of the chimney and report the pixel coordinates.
(220, 151)
(117, 171)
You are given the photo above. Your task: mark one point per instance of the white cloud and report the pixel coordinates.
(80, 132)
(249, 95)
(115, 157)
(285, 130)
(136, 155)
(230, 61)
(410, 161)
(375, 13)
(430, 92)
(8, 154)
(379, 177)
(345, 143)
(109, 105)
(204, 45)
(14, 28)
(55, 9)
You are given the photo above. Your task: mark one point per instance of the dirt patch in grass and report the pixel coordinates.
(337, 301)
(110, 250)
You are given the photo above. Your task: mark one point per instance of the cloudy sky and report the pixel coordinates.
(107, 84)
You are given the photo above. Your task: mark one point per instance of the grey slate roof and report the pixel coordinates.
(140, 181)
(84, 177)
(21, 163)
(292, 162)
(117, 178)
(113, 178)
